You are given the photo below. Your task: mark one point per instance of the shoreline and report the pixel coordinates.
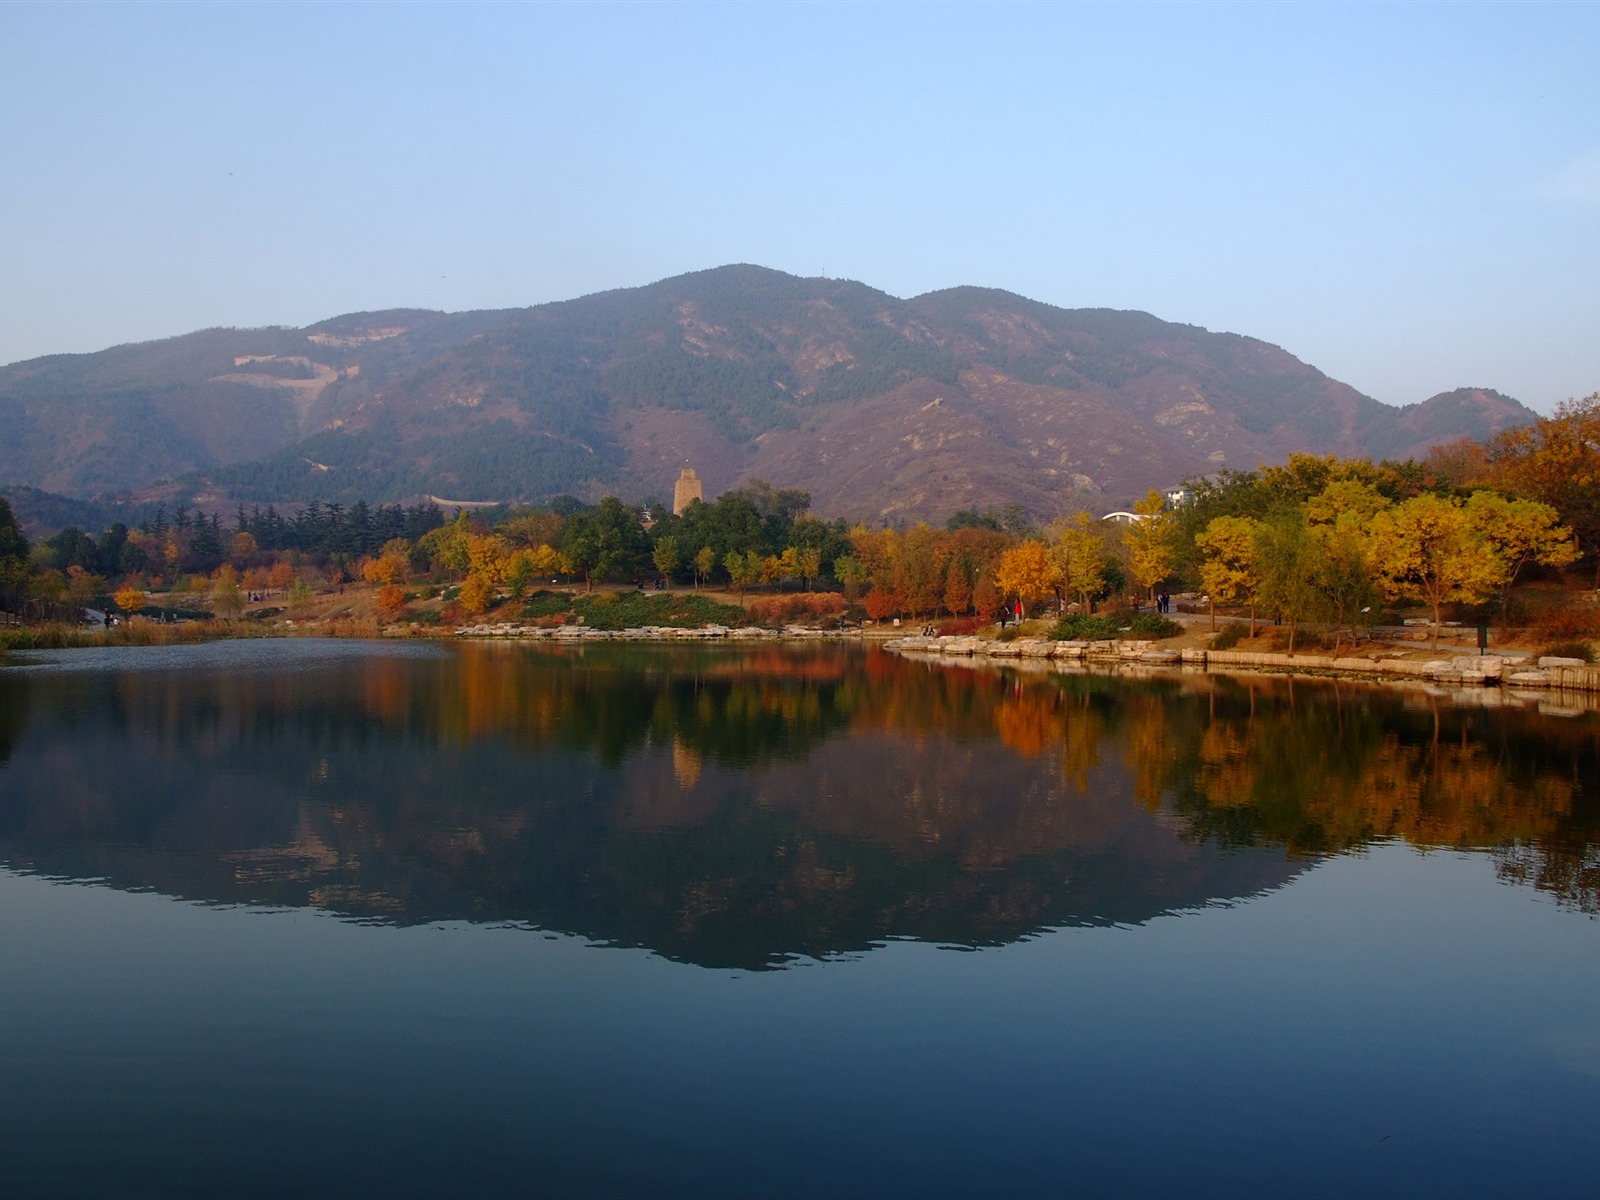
(1505, 673)
(1489, 674)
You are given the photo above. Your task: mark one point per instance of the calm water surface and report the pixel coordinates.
(345, 919)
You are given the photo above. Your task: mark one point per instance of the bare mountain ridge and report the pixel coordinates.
(884, 408)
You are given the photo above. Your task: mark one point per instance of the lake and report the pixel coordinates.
(312, 918)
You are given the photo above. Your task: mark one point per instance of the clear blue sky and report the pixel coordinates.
(1406, 197)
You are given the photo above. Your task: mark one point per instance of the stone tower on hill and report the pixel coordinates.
(686, 489)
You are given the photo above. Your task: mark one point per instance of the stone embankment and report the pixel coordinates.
(1508, 670)
(651, 633)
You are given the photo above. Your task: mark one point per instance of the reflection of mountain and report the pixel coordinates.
(731, 808)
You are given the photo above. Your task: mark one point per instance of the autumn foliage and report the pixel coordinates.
(797, 608)
(391, 600)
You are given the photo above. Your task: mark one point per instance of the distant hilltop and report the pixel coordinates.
(884, 409)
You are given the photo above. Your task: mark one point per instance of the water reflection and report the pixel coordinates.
(734, 807)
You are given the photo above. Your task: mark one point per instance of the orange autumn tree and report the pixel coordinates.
(957, 588)
(392, 564)
(985, 597)
(391, 600)
(1556, 461)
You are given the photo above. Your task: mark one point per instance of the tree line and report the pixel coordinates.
(1314, 540)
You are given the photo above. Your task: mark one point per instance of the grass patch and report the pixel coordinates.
(631, 610)
(129, 633)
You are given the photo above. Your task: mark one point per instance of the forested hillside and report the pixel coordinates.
(885, 409)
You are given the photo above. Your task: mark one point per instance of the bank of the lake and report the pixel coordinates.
(1516, 672)
(1507, 672)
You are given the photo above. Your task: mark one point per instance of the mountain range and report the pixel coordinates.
(885, 409)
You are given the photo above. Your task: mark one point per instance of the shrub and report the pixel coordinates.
(796, 608)
(961, 626)
(353, 627)
(1572, 648)
(1083, 627)
(391, 600)
(45, 637)
(544, 603)
(1565, 624)
(1304, 639)
(1154, 625)
(138, 632)
(1228, 637)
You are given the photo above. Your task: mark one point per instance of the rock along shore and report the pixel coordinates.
(650, 633)
(1513, 671)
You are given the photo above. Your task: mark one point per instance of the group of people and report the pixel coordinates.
(1163, 603)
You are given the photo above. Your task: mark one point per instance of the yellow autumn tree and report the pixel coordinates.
(131, 598)
(477, 592)
(1345, 498)
(1149, 542)
(1080, 556)
(1027, 571)
(705, 561)
(488, 560)
(1520, 532)
(488, 555)
(226, 598)
(1427, 549)
(1228, 569)
(743, 569)
(525, 564)
(447, 545)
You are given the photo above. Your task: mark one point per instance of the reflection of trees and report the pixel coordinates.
(13, 712)
(1566, 867)
(1324, 767)
(728, 806)
(721, 707)
(719, 807)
